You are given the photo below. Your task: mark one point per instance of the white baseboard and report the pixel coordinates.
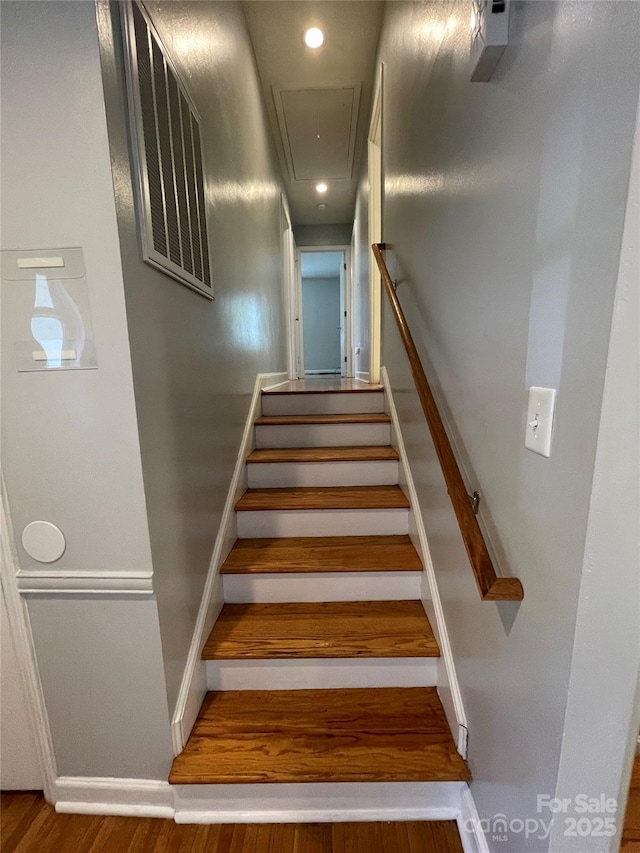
(106, 796)
(193, 686)
(363, 376)
(448, 685)
(315, 802)
(469, 826)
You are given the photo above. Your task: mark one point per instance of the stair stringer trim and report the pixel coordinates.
(193, 687)
(448, 685)
(471, 828)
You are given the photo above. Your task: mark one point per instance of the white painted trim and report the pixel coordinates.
(20, 630)
(451, 695)
(471, 833)
(376, 193)
(261, 524)
(108, 796)
(315, 815)
(321, 586)
(193, 686)
(321, 673)
(36, 582)
(259, 803)
(275, 384)
(363, 376)
(298, 331)
(318, 802)
(289, 282)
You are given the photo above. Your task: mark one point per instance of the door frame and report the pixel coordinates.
(346, 355)
(288, 249)
(376, 184)
(20, 632)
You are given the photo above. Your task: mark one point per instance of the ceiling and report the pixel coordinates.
(320, 264)
(318, 101)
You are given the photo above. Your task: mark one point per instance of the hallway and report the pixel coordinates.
(385, 596)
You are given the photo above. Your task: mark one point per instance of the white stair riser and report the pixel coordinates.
(266, 475)
(326, 586)
(322, 435)
(323, 522)
(309, 673)
(311, 802)
(322, 404)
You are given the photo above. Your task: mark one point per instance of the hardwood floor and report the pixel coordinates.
(328, 629)
(29, 825)
(289, 420)
(631, 829)
(325, 454)
(323, 497)
(323, 554)
(345, 735)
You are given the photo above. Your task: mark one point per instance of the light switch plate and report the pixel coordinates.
(539, 428)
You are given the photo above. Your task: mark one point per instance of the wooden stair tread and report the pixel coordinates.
(333, 629)
(322, 554)
(323, 497)
(347, 735)
(292, 420)
(325, 454)
(291, 389)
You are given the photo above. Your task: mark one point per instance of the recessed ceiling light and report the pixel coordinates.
(322, 206)
(321, 188)
(313, 37)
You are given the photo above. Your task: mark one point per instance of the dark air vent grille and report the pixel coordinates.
(166, 127)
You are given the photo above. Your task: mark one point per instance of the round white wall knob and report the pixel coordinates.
(43, 541)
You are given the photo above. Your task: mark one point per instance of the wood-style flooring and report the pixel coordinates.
(631, 830)
(327, 629)
(377, 453)
(293, 420)
(349, 735)
(323, 554)
(323, 497)
(30, 825)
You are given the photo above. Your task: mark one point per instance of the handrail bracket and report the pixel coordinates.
(475, 502)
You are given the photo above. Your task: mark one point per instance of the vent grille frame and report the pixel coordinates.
(168, 166)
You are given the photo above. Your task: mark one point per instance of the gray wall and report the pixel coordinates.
(321, 319)
(323, 235)
(70, 446)
(194, 362)
(504, 203)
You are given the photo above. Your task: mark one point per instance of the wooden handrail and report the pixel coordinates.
(490, 586)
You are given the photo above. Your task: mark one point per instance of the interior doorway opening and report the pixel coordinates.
(324, 311)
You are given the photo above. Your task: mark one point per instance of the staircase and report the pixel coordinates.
(322, 664)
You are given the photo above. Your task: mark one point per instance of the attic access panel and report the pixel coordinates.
(318, 129)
